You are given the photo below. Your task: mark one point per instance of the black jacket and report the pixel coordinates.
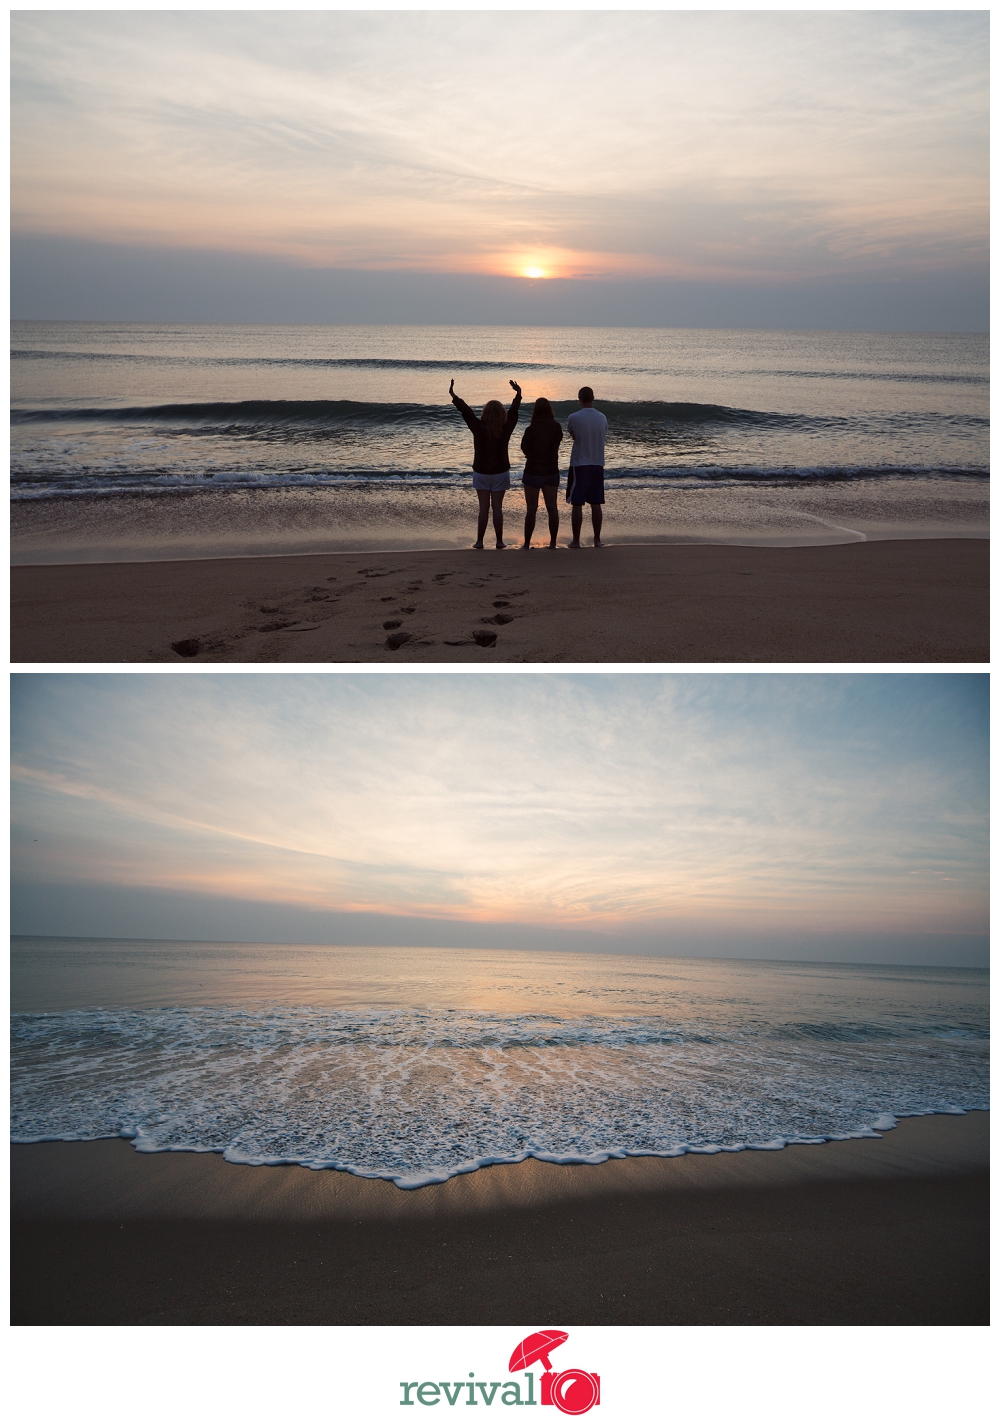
(540, 446)
(491, 453)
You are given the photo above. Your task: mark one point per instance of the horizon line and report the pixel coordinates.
(491, 948)
(501, 324)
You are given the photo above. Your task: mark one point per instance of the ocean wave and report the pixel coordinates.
(275, 361)
(246, 414)
(307, 362)
(33, 483)
(417, 1095)
(283, 414)
(870, 376)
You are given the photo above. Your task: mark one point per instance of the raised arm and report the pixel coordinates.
(463, 407)
(514, 408)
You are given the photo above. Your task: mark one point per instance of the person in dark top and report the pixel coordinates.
(540, 446)
(491, 462)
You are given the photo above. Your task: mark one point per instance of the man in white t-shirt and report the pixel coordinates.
(588, 428)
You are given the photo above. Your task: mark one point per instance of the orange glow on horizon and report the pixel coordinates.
(562, 263)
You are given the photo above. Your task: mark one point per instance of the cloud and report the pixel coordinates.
(577, 802)
(776, 146)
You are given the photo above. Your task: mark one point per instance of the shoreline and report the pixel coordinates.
(881, 1231)
(920, 600)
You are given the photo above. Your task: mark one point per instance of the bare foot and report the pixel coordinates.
(552, 546)
(597, 545)
(573, 545)
(526, 546)
(501, 545)
(478, 546)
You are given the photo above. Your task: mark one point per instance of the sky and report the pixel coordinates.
(783, 168)
(840, 817)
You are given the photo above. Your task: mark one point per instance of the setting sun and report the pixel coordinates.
(534, 272)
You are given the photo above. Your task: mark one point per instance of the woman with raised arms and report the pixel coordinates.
(491, 461)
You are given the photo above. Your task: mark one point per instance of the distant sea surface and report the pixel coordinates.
(412, 1065)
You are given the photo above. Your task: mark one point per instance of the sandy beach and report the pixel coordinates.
(907, 601)
(890, 1231)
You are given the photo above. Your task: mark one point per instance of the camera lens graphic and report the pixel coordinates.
(575, 1391)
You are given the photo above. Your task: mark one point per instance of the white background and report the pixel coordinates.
(190, 1371)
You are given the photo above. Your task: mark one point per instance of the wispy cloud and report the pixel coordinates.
(601, 802)
(778, 146)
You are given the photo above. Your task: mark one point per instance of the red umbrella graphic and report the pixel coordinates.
(536, 1348)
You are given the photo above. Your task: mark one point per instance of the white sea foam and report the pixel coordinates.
(418, 1095)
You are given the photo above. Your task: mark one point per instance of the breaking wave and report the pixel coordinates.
(415, 1095)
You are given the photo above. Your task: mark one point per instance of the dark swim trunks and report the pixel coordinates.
(552, 480)
(588, 485)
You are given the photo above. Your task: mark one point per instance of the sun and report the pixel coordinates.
(534, 272)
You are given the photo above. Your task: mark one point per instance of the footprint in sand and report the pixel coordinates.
(391, 624)
(498, 619)
(485, 638)
(500, 604)
(396, 641)
(186, 648)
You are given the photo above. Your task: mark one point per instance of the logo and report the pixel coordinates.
(573, 1390)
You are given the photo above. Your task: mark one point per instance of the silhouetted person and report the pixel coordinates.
(540, 446)
(588, 428)
(490, 462)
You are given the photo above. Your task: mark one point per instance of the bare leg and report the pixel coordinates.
(551, 495)
(497, 499)
(597, 515)
(484, 516)
(531, 504)
(576, 521)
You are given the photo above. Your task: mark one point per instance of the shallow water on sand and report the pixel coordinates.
(415, 1064)
(302, 521)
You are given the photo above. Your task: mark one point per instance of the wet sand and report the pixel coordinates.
(890, 1231)
(879, 601)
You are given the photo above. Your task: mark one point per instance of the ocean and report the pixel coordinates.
(151, 441)
(411, 1065)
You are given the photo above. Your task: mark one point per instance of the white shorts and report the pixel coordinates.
(491, 481)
